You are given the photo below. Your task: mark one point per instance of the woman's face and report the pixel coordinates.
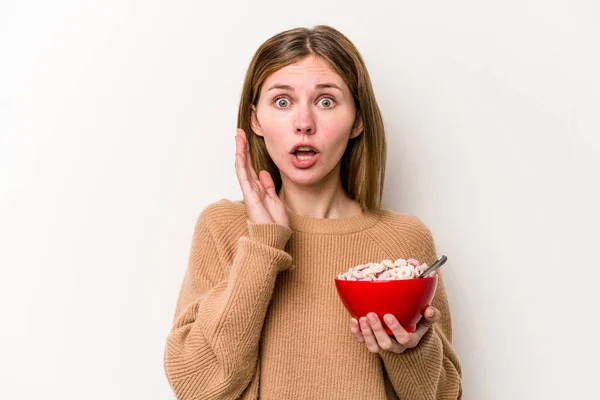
(306, 104)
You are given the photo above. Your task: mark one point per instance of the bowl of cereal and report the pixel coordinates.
(389, 287)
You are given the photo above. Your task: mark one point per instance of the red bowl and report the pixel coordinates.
(405, 299)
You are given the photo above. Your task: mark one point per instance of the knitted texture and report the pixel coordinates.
(258, 315)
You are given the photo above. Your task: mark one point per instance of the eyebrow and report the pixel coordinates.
(319, 86)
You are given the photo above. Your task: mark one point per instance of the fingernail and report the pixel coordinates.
(388, 319)
(371, 317)
(430, 313)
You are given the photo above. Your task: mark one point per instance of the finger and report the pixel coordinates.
(383, 339)
(251, 186)
(240, 166)
(431, 316)
(398, 330)
(249, 165)
(367, 333)
(355, 329)
(419, 333)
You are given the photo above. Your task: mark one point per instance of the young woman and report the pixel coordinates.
(258, 314)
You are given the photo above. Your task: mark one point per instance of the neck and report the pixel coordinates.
(325, 200)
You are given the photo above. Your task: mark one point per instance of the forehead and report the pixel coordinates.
(309, 71)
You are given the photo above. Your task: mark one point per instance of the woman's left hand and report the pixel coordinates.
(371, 332)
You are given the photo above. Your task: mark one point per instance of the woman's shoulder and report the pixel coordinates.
(406, 234)
(224, 208)
(222, 215)
(404, 222)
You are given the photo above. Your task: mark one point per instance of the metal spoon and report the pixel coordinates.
(438, 263)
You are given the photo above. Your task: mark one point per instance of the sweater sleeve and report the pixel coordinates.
(432, 369)
(212, 349)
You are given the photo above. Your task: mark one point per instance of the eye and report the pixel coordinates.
(327, 102)
(281, 102)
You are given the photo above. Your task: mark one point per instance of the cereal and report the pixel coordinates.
(406, 272)
(413, 262)
(400, 262)
(420, 268)
(386, 270)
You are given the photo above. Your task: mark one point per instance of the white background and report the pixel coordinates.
(117, 124)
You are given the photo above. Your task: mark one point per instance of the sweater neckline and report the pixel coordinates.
(329, 226)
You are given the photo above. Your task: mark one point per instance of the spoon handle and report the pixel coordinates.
(438, 263)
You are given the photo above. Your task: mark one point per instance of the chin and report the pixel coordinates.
(305, 178)
(303, 181)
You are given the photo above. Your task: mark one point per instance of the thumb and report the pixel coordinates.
(268, 184)
(274, 204)
(432, 315)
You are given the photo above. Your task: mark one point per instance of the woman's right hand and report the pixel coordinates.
(262, 203)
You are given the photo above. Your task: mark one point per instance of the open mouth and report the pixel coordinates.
(304, 154)
(304, 157)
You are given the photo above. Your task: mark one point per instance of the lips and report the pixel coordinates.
(304, 155)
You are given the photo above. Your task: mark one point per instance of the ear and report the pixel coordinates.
(358, 127)
(254, 124)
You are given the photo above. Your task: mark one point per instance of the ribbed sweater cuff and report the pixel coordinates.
(421, 363)
(273, 235)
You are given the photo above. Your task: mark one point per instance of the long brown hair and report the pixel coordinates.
(363, 163)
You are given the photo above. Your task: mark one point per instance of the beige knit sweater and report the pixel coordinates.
(258, 315)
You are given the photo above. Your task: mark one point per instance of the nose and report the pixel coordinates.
(304, 124)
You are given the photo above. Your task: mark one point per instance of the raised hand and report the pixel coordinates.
(262, 203)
